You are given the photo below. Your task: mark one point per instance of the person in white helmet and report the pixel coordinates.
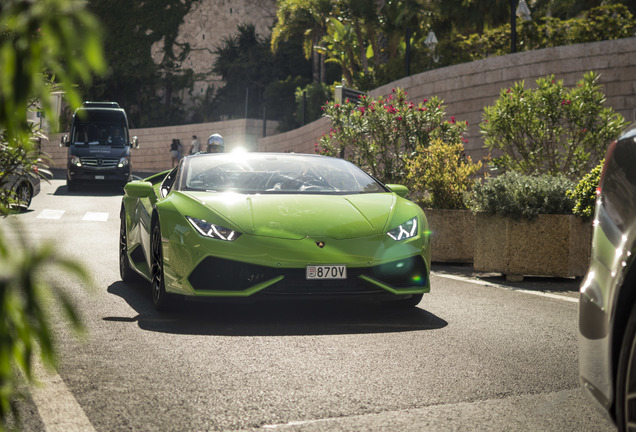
(215, 144)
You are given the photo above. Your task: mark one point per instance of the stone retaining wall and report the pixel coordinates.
(467, 88)
(153, 154)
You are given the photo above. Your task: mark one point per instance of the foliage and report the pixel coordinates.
(310, 100)
(550, 129)
(600, 23)
(380, 134)
(47, 38)
(518, 195)
(359, 36)
(445, 172)
(368, 40)
(252, 73)
(584, 194)
(15, 158)
(152, 94)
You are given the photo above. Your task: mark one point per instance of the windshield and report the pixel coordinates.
(96, 128)
(275, 173)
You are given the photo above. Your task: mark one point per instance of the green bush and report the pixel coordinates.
(440, 174)
(606, 22)
(550, 129)
(310, 100)
(380, 135)
(522, 196)
(584, 194)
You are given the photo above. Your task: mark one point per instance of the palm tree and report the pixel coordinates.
(305, 19)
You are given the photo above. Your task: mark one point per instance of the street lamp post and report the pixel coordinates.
(521, 10)
(513, 27)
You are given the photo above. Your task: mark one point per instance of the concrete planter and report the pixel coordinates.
(549, 245)
(452, 235)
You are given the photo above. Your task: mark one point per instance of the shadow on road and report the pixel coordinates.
(271, 318)
(96, 190)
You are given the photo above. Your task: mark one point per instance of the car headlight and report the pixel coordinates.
(404, 231)
(208, 229)
(75, 160)
(123, 162)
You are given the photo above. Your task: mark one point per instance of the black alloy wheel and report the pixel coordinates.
(626, 378)
(160, 297)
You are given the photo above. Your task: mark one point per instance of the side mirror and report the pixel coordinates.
(139, 189)
(64, 141)
(134, 142)
(400, 190)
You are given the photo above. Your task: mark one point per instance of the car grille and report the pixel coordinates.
(234, 276)
(98, 162)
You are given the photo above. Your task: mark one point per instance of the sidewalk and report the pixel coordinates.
(538, 283)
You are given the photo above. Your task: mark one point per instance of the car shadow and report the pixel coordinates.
(270, 318)
(90, 190)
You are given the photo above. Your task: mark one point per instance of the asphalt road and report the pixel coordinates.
(476, 355)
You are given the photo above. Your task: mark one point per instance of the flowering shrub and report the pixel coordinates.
(551, 129)
(380, 135)
(444, 173)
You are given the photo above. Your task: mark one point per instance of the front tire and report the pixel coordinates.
(626, 378)
(125, 271)
(23, 196)
(161, 299)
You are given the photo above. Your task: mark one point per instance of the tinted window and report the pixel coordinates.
(99, 127)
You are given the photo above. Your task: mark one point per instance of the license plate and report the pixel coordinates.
(99, 177)
(326, 272)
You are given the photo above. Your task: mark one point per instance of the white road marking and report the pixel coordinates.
(58, 408)
(50, 214)
(95, 216)
(511, 288)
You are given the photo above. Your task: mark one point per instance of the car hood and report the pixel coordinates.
(298, 216)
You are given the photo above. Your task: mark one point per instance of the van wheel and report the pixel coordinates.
(70, 185)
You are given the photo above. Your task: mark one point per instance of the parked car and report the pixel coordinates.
(22, 186)
(269, 225)
(607, 305)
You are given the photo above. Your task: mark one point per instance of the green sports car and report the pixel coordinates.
(270, 225)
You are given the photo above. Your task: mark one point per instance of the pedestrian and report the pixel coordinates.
(174, 152)
(179, 149)
(196, 145)
(216, 144)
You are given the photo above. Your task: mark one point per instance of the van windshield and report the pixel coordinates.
(91, 129)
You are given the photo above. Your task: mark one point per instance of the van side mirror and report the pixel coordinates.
(64, 141)
(134, 142)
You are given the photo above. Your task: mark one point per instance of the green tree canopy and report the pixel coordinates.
(39, 41)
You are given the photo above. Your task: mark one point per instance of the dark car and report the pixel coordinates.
(607, 305)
